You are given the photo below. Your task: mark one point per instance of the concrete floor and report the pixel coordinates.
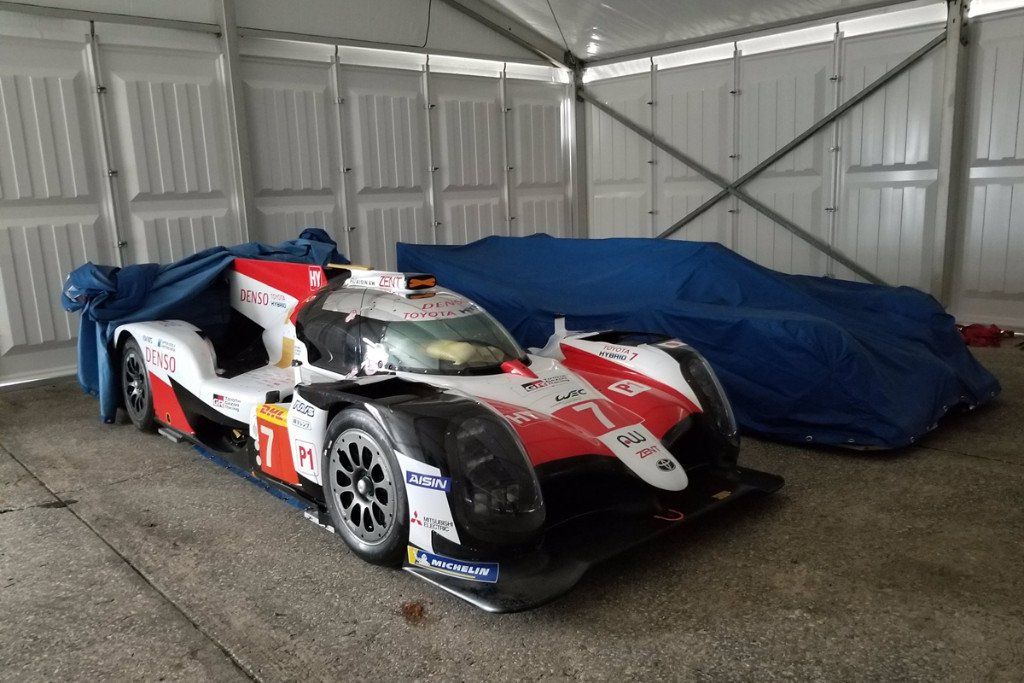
(124, 555)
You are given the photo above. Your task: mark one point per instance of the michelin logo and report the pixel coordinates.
(429, 481)
(485, 572)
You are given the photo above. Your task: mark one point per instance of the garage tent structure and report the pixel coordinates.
(872, 140)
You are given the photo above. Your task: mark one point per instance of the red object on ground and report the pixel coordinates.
(981, 335)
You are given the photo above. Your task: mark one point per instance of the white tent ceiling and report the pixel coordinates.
(619, 28)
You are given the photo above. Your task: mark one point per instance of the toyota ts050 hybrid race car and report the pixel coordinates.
(414, 426)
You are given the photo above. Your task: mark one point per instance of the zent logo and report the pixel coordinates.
(628, 388)
(429, 481)
(316, 278)
(389, 281)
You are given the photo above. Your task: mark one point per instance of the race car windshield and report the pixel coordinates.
(456, 345)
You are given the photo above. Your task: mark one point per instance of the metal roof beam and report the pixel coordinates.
(108, 17)
(744, 32)
(516, 31)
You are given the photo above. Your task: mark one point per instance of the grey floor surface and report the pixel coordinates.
(123, 555)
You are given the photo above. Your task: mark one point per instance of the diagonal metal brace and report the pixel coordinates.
(868, 90)
(673, 151)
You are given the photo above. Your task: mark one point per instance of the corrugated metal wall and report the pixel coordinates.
(374, 155)
(863, 185)
(53, 212)
(990, 268)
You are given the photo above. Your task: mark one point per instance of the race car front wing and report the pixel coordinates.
(570, 547)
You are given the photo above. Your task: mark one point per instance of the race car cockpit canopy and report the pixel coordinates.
(362, 327)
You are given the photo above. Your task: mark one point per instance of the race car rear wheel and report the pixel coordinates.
(363, 488)
(135, 387)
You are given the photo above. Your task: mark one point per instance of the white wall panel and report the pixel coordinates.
(890, 155)
(619, 172)
(781, 94)
(385, 128)
(294, 140)
(694, 112)
(51, 198)
(538, 177)
(171, 152)
(468, 151)
(990, 278)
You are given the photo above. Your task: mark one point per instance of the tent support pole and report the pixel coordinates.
(676, 153)
(578, 158)
(868, 90)
(238, 130)
(952, 152)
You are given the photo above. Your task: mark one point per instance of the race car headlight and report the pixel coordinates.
(497, 493)
(712, 397)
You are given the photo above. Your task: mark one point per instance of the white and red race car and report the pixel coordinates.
(414, 426)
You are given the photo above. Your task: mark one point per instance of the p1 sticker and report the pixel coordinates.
(628, 387)
(485, 572)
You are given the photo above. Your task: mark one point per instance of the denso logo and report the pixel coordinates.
(164, 361)
(429, 481)
(251, 296)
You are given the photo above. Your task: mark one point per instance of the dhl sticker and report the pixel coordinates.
(272, 414)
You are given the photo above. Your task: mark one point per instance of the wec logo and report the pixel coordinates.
(429, 481)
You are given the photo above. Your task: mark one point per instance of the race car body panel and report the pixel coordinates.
(558, 415)
(519, 470)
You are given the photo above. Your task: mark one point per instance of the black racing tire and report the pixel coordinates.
(364, 489)
(136, 389)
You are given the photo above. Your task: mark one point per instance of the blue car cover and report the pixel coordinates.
(807, 359)
(109, 297)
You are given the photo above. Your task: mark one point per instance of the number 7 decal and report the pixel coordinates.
(267, 452)
(596, 410)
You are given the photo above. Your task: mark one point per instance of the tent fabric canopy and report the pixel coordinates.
(805, 359)
(612, 28)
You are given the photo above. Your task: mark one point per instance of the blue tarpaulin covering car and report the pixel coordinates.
(802, 358)
(108, 297)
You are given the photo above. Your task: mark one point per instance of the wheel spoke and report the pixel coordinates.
(361, 481)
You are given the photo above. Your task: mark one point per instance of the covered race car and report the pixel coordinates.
(415, 427)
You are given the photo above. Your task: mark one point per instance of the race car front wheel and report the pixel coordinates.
(363, 488)
(135, 387)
